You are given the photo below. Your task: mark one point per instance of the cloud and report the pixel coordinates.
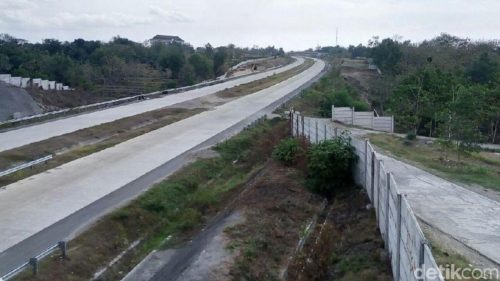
(169, 16)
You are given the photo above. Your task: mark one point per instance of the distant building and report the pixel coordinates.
(166, 39)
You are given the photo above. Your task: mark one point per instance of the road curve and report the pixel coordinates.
(60, 193)
(31, 134)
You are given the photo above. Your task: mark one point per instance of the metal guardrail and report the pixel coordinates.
(33, 262)
(96, 106)
(26, 165)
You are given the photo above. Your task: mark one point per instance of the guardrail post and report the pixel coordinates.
(34, 265)
(387, 206)
(63, 247)
(398, 231)
(325, 133)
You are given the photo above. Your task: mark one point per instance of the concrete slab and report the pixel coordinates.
(26, 135)
(32, 204)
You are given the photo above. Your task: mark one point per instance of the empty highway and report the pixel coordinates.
(34, 204)
(31, 134)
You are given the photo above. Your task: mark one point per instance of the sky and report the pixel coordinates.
(291, 24)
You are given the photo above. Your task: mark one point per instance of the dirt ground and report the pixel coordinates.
(359, 79)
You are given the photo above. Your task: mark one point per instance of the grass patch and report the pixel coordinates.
(176, 207)
(445, 259)
(477, 168)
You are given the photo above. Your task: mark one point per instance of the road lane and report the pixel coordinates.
(31, 134)
(51, 196)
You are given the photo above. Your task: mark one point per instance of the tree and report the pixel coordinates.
(484, 70)
(220, 57)
(386, 55)
(202, 66)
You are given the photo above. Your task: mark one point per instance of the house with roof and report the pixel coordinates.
(166, 39)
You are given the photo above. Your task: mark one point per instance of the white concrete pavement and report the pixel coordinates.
(32, 204)
(31, 134)
(468, 217)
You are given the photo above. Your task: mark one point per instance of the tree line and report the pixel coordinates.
(446, 87)
(89, 65)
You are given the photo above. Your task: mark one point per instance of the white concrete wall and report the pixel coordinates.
(65, 88)
(59, 86)
(24, 82)
(5, 78)
(36, 82)
(385, 124)
(44, 84)
(363, 119)
(52, 85)
(15, 81)
(342, 114)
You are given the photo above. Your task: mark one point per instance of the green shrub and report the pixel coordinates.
(411, 136)
(287, 151)
(330, 165)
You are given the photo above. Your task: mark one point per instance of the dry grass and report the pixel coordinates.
(177, 206)
(84, 142)
(482, 169)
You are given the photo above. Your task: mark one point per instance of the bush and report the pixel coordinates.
(287, 151)
(411, 136)
(330, 165)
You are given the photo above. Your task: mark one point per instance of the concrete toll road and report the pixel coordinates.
(38, 132)
(47, 199)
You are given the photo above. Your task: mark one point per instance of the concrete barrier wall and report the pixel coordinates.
(25, 82)
(405, 242)
(385, 124)
(343, 114)
(365, 119)
(5, 78)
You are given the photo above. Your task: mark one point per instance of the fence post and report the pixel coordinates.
(63, 247)
(373, 179)
(421, 257)
(377, 184)
(34, 265)
(303, 132)
(387, 206)
(392, 124)
(353, 115)
(366, 167)
(316, 139)
(297, 126)
(309, 129)
(333, 112)
(335, 132)
(325, 132)
(398, 247)
(291, 121)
